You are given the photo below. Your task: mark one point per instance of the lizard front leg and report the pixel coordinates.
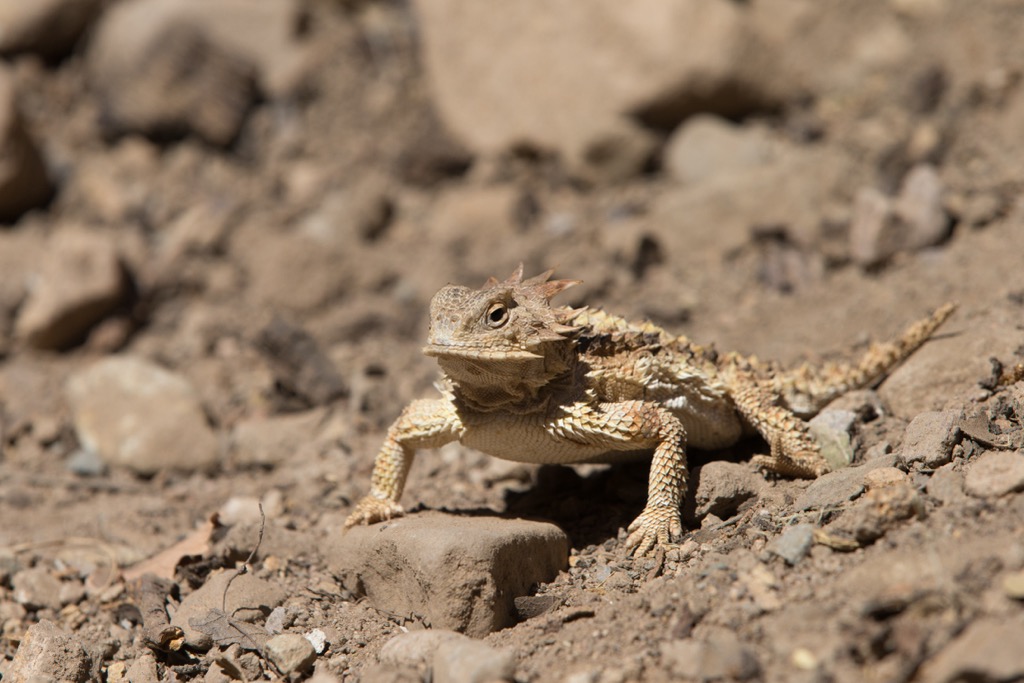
(638, 425)
(659, 523)
(423, 424)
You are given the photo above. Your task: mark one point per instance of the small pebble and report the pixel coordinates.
(794, 543)
(1013, 585)
(318, 639)
(276, 621)
(86, 463)
(290, 652)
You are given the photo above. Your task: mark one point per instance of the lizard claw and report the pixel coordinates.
(656, 526)
(371, 510)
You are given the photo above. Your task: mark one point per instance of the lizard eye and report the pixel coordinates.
(497, 315)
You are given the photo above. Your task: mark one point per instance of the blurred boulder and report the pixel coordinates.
(566, 76)
(913, 220)
(24, 182)
(138, 415)
(78, 281)
(48, 28)
(167, 68)
(707, 147)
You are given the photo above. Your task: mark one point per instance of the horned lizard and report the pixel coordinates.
(531, 382)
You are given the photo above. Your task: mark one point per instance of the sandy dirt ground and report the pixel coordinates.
(223, 223)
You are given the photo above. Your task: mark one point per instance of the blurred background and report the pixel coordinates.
(223, 220)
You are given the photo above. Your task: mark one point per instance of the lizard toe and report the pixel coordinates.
(371, 510)
(655, 527)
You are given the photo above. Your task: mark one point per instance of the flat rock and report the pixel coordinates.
(48, 653)
(835, 488)
(995, 473)
(135, 414)
(48, 28)
(460, 572)
(930, 437)
(980, 653)
(24, 179)
(79, 281)
(247, 599)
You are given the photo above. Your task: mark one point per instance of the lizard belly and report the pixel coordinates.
(527, 438)
(708, 415)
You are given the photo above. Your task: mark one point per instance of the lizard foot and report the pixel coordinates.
(656, 526)
(371, 510)
(803, 464)
(808, 465)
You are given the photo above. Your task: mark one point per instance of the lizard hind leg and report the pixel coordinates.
(794, 452)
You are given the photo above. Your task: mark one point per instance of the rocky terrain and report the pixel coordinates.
(222, 223)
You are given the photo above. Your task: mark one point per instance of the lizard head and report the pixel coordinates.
(503, 332)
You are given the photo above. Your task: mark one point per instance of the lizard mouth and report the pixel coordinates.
(482, 353)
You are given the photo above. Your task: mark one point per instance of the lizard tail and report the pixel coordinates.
(806, 390)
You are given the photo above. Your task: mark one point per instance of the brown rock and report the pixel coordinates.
(890, 499)
(37, 588)
(919, 206)
(175, 67)
(79, 281)
(720, 656)
(835, 488)
(137, 415)
(158, 72)
(706, 146)
(723, 486)
(20, 253)
(871, 238)
(270, 441)
(461, 573)
(24, 181)
(945, 371)
(980, 653)
(946, 485)
(995, 473)
(560, 75)
(470, 661)
(48, 28)
(48, 653)
(787, 194)
(930, 437)
(913, 220)
(290, 653)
